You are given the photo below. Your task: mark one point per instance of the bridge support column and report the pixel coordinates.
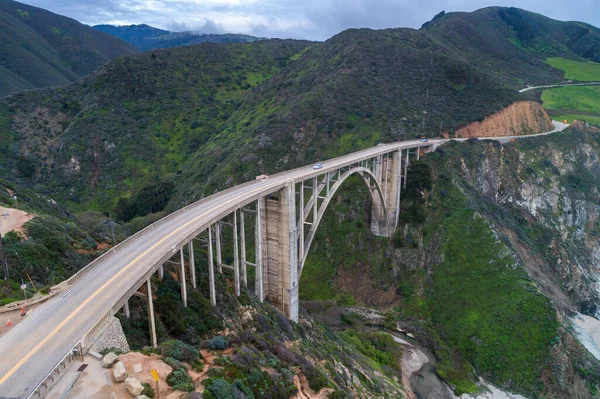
(211, 269)
(236, 255)
(161, 272)
(387, 171)
(151, 315)
(406, 162)
(218, 244)
(282, 251)
(243, 249)
(182, 279)
(192, 263)
(260, 245)
(126, 309)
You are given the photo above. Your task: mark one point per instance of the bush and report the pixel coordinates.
(148, 391)
(180, 380)
(218, 342)
(176, 364)
(179, 350)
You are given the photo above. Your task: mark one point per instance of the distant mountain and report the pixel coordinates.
(39, 48)
(512, 41)
(146, 37)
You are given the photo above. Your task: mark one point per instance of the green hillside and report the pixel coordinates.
(146, 37)
(42, 49)
(132, 123)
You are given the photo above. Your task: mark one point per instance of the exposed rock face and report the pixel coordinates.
(522, 117)
(120, 372)
(134, 387)
(109, 359)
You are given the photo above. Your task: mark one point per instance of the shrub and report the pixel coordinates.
(180, 380)
(148, 391)
(179, 350)
(218, 342)
(176, 364)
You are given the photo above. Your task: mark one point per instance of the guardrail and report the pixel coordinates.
(64, 362)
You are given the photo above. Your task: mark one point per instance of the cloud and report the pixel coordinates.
(307, 19)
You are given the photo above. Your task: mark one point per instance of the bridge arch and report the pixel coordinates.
(377, 200)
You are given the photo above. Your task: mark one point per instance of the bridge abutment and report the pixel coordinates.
(279, 249)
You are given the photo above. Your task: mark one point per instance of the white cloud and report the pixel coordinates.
(309, 19)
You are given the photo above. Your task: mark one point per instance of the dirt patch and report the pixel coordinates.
(358, 282)
(304, 391)
(14, 221)
(14, 317)
(102, 247)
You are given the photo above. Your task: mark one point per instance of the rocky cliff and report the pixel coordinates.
(521, 117)
(497, 246)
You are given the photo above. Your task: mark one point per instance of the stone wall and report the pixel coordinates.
(112, 337)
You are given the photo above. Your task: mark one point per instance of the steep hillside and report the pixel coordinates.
(42, 49)
(512, 43)
(133, 122)
(353, 91)
(496, 249)
(146, 37)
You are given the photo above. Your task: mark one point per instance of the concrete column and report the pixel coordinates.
(418, 152)
(294, 274)
(398, 155)
(259, 245)
(281, 251)
(151, 315)
(316, 201)
(236, 260)
(301, 224)
(243, 249)
(211, 269)
(192, 263)
(218, 242)
(161, 272)
(126, 309)
(406, 161)
(327, 184)
(182, 279)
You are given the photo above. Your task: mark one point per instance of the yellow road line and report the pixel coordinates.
(65, 321)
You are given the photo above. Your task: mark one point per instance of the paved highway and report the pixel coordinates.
(34, 346)
(553, 86)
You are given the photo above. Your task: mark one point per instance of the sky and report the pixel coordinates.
(299, 19)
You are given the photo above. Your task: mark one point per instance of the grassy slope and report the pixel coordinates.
(587, 71)
(131, 123)
(45, 49)
(574, 102)
(584, 99)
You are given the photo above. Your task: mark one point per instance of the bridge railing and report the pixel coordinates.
(108, 255)
(64, 362)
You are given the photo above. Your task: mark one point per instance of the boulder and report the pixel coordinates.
(134, 387)
(120, 372)
(109, 359)
(142, 397)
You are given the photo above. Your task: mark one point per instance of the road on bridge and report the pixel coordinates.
(33, 347)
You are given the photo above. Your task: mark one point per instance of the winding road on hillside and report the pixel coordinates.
(554, 86)
(33, 347)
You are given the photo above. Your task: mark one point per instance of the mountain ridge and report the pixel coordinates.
(45, 49)
(145, 37)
